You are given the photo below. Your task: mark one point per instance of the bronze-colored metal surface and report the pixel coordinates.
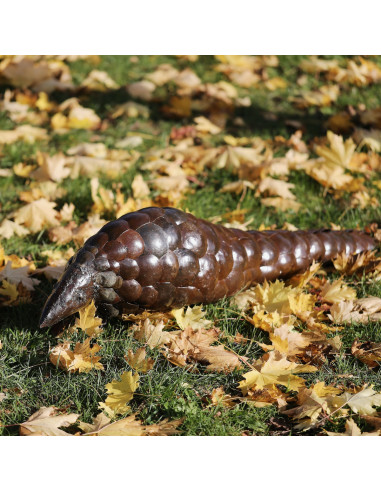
(163, 258)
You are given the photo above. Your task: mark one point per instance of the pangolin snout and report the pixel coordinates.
(72, 292)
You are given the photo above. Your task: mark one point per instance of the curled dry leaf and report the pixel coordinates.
(337, 291)
(82, 359)
(47, 422)
(152, 334)
(219, 397)
(128, 426)
(196, 345)
(138, 360)
(367, 352)
(351, 429)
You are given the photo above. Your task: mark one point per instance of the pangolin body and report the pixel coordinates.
(163, 258)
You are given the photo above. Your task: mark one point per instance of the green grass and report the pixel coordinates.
(31, 381)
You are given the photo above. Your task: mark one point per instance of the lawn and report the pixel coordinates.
(280, 104)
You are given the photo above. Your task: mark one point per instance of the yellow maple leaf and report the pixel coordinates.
(275, 370)
(88, 322)
(152, 334)
(51, 168)
(138, 360)
(191, 316)
(120, 393)
(37, 215)
(82, 359)
(9, 290)
(337, 291)
(339, 153)
(9, 229)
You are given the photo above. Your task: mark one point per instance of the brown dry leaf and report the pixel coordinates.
(269, 297)
(351, 429)
(350, 264)
(82, 359)
(360, 310)
(276, 369)
(301, 280)
(18, 275)
(282, 204)
(98, 80)
(51, 168)
(191, 316)
(138, 360)
(276, 187)
(339, 153)
(203, 125)
(195, 345)
(77, 117)
(120, 393)
(361, 402)
(362, 200)
(152, 334)
(367, 352)
(128, 426)
(9, 228)
(289, 342)
(337, 291)
(88, 322)
(311, 403)
(325, 95)
(139, 187)
(141, 90)
(237, 187)
(26, 133)
(46, 422)
(328, 176)
(219, 397)
(275, 83)
(162, 75)
(373, 420)
(37, 215)
(104, 200)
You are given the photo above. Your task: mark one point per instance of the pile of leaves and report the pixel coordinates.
(70, 164)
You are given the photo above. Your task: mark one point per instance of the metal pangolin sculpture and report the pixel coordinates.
(163, 258)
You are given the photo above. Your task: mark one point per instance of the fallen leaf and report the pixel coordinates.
(337, 291)
(88, 322)
(128, 426)
(120, 393)
(9, 228)
(46, 422)
(152, 334)
(18, 275)
(138, 360)
(367, 352)
(351, 429)
(275, 370)
(82, 359)
(37, 215)
(191, 316)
